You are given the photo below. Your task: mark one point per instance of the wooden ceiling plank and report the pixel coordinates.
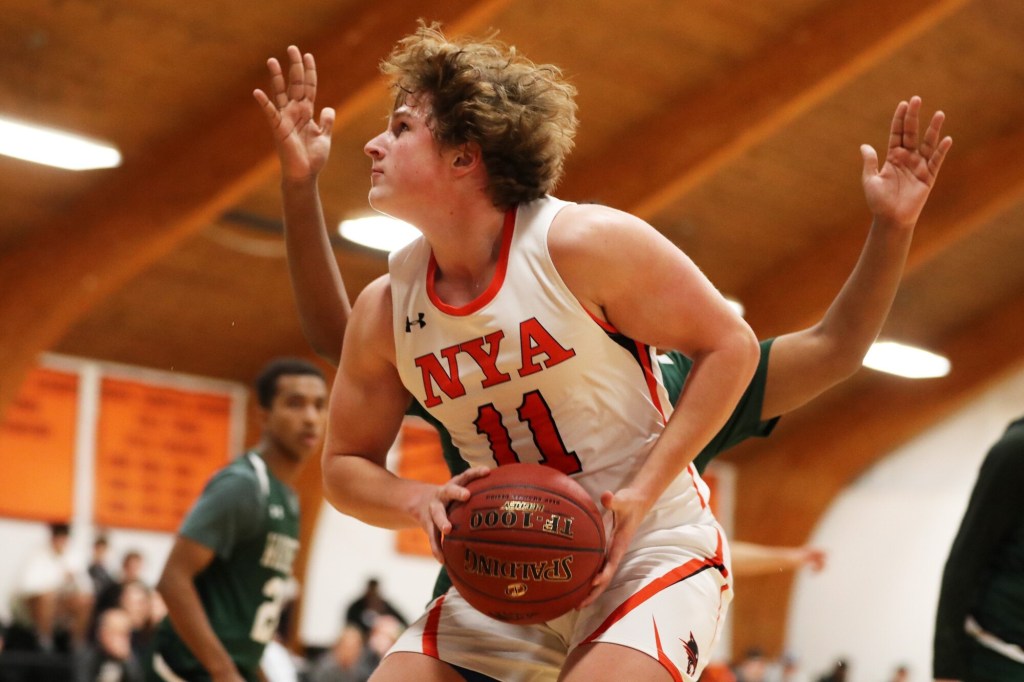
(971, 192)
(710, 129)
(148, 206)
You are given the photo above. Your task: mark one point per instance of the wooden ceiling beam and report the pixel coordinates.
(58, 272)
(785, 483)
(728, 118)
(972, 191)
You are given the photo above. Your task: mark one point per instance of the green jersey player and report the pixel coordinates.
(228, 573)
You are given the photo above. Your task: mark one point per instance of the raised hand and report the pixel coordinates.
(290, 108)
(898, 191)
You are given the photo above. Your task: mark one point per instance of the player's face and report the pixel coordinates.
(295, 421)
(408, 169)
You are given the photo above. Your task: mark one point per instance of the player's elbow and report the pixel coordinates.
(742, 345)
(839, 357)
(338, 482)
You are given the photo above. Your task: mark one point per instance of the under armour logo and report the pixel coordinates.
(419, 320)
(692, 652)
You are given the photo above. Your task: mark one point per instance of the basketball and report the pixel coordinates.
(526, 546)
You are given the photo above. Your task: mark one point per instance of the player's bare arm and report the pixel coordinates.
(750, 559)
(303, 146)
(368, 402)
(186, 560)
(629, 275)
(803, 364)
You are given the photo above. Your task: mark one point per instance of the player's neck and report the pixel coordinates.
(466, 248)
(281, 465)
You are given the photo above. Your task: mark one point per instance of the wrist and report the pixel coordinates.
(304, 183)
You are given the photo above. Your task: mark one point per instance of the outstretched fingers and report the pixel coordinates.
(277, 83)
(896, 128)
(911, 125)
(934, 149)
(269, 110)
(939, 155)
(309, 68)
(296, 75)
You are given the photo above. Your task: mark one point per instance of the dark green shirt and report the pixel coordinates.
(744, 422)
(251, 521)
(984, 574)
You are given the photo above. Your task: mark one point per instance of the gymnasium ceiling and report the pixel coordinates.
(732, 127)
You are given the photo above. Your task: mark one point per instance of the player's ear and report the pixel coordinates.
(466, 158)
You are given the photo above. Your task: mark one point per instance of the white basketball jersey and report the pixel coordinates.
(524, 373)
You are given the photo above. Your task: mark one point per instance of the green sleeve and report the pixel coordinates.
(228, 511)
(745, 420)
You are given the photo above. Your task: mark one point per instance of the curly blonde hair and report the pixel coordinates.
(522, 115)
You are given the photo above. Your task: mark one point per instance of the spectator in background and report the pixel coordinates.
(136, 601)
(364, 611)
(788, 670)
(900, 674)
(110, 658)
(112, 595)
(52, 598)
(752, 667)
(838, 673)
(349, 660)
(101, 577)
(383, 633)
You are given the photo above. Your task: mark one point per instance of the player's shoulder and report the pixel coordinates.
(237, 477)
(585, 230)
(370, 329)
(373, 304)
(588, 219)
(1007, 454)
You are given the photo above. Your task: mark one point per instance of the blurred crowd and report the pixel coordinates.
(77, 620)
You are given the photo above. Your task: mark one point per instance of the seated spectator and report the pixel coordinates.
(101, 577)
(110, 658)
(136, 601)
(131, 571)
(349, 660)
(52, 598)
(364, 610)
(753, 666)
(384, 633)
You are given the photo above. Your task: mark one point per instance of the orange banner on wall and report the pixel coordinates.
(420, 458)
(156, 448)
(37, 448)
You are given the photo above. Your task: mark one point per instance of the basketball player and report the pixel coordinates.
(538, 322)
(979, 625)
(224, 581)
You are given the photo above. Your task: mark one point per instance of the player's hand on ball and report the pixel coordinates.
(434, 514)
(628, 507)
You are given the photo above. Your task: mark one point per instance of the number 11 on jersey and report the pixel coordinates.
(536, 414)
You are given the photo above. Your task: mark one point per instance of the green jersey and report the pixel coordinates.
(744, 422)
(251, 521)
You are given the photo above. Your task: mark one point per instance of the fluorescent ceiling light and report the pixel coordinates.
(378, 232)
(905, 361)
(54, 147)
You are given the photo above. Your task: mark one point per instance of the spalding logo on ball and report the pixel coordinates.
(526, 546)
